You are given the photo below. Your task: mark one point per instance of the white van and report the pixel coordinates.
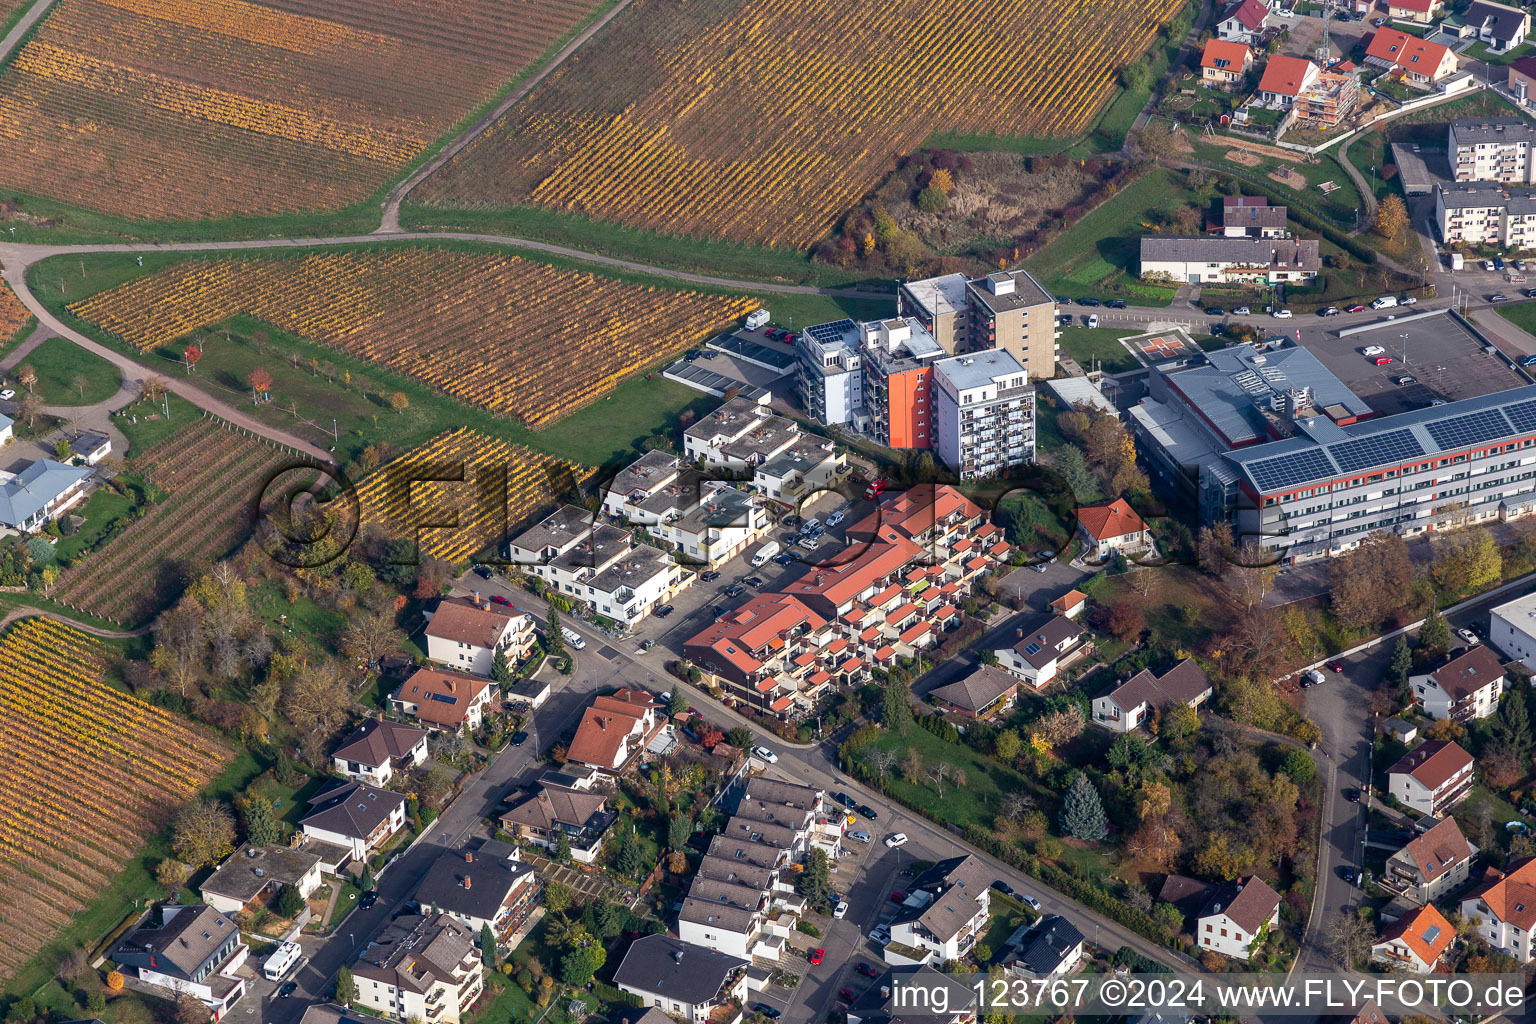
(1385, 302)
(573, 638)
(1093, 319)
(764, 553)
(281, 960)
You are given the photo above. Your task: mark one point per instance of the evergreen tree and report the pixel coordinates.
(501, 669)
(261, 827)
(584, 957)
(289, 902)
(487, 946)
(896, 710)
(346, 987)
(815, 882)
(366, 879)
(1435, 635)
(630, 861)
(1082, 812)
(679, 828)
(740, 737)
(554, 641)
(677, 703)
(1402, 662)
(562, 848)
(1512, 725)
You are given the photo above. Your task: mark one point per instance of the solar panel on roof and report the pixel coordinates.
(1033, 648)
(835, 329)
(1460, 431)
(1376, 450)
(1522, 415)
(1295, 468)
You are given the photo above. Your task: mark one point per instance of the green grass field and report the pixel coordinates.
(69, 375)
(1521, 314)
(1086, 344)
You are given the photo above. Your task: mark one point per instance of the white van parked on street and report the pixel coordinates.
(573, 638)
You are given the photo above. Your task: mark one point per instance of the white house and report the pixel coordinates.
(478, 889)
(1512, 629)
(1432, 777)
(444, 700)
(254, 871)
(1041, 648)
(1237, 915)
(465, 635)
(1050, 947)
(943, 915)
(1244, 22)
(1502, 911)
(1430, 866)
(1414, 942)
(680, 979)
(375, 750)
(1110, 528)
(193, 950)
(355, 816)
(541, 815)
(420, 968)
(1131, 703)
(1468, 685)
(43, 489)
(1499, 26)
(1217, 259)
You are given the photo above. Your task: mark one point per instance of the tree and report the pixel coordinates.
(289, 902)
(23, 1009)
(96, 1001)
(398, 401)
(931, 200)
(501, 668)
(487, 946)
(153, 388)
(317, 699)
(677, 702)
(370, 639)
(1402, 662)
(554, 640)
(1124, 621)
(1465, 560)
(895, 707)
(630, 860)
(260, 823)
(1006, 746)
(366, 880)
(562, 852)
(1373, 582)
(26, 376)
(1349, 940)
(190, 355)
(557, 897)
(1135, 76)
(203, 833)
(346, 987)
(1082, 812)
(679, 828)
(29, 407)
(1512, 726)
(1214, 548)
(192, 1010)
(1499, 765)
(261, 384)
(1391, 217)
(172, 874)
(1298, 764)
(740, 737)
(1435, 635)
(815, 882)
(584, 957)
(81, 382)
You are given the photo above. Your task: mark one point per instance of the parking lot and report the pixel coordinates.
(1445, 361)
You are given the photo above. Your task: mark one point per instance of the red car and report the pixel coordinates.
(1336, 666)
(816, 957)
(874, 490)
(866, 970)
(498, 599)
(845, 994)
(898, 897)
(1355, 309)
(1382, 360)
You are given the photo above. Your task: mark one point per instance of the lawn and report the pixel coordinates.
(1340, 205)
(104, 508)
(1030, 522)
(974, 802)
(346, 902)
(1521, 314)
(69, 375)
(1086, 344)
(145, 423)
(1100, 254)
(1480, 51)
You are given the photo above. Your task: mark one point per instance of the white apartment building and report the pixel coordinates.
(943, 915)
(599, 565)
(1431, 866)
(1483, 213)
(1468, 685)
(1492, 149)
(478, 888)
(466, 634)
(1237, 915)
(423, 968)
(708, 521)
(1041, 647)
(1512, 629)
(983, 414)
(831, 374)
(1503, 912)
(786, 464)
(1432, 777)
(648, 490)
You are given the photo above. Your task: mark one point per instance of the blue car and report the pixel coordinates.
(1528, 361)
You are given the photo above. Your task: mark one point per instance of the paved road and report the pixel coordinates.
(19, 31)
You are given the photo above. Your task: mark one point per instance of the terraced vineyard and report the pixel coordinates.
(396, 499)
(185, 109)
(765, 120)
(213, 476)
(87, 774)
(512, 335)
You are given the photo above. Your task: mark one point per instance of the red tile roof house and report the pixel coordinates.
(1285, 79)
(440, 699)
(1070, 604)
(1224, 64)
(616, 730)
(1244, 22)
(1414, 942)
(1503, 909)
(1111, 527)
(1467, 685)
(1237, 916)
(751, 649)
(466, 635)
(1432, 777)
(1420, 61)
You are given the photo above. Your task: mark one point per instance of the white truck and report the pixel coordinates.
(1457, 261)
(281, 960)
(757, 318)
(764, 553)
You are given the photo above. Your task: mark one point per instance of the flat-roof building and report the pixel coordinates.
(831, 374)
(899, 355)
(983, 414)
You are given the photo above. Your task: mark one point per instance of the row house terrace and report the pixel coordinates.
(765, 650)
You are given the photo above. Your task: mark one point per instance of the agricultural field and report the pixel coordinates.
(456, 478)
(12, 313)
(88, 775)
(208, 511)
(513, 336)
(160, 110)
(763, 121)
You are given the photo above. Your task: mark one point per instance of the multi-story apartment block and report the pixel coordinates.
(786, 464)
(1502, 910)
(1329, 487)
(1432, 777)
(467, 634)
(479, 888)
(1512, 629)
(1329, 97)
(768, 651)
(1466, 686)
(708, 521)
(423, 968)
(1483, 213)
(943, 913)
(942, 305)
(1011, 311)
(1492, 149)
(1431, 866)
(983, 414)
(599, 565)
(898, 371)
(830, 374)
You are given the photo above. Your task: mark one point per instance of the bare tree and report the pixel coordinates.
(371, 638)
(1349, 940)
(880, 761)
(937, 771)
(316, 699)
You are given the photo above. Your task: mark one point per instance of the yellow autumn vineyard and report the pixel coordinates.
(87, 774)
(394, 499)
(180, 109)
(511, 335)
(12, 313)
(768, 124)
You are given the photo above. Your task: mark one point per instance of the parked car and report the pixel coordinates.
(7, 394)
(646, 645)
(1215, 311)
(1003, 887)
(1330, 311)
(896, 839)
(764, 754)
(1030, 902)
(753, 581)
(1407, 379)
(865, 811)
(864, 968)
(664, 611)
(498, 599)
(368, 899)
(483, 572)
(845, 994)
(1498, 263)
(816, 957)
(1372, 350)
(1115, 304)
(1469, 636)
(1528, 361)
(709, 575)
(1335, 666)
(860, 836)
(288, 988)
(735, 590)
(880, 935)
(1089, 302)
(1498, 297)
(898, 897)
(784, 559)
(1241, 311)
(1382, 361)
(846, 800)
(518, 738)
(772, 1013)
(1281, 314)
(1356, 308)
(840, 911)
(1063, 300)
(1408, 301)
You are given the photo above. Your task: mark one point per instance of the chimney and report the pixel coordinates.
(474, 596)
(378, 716)
(468, 882)
(469, 857)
